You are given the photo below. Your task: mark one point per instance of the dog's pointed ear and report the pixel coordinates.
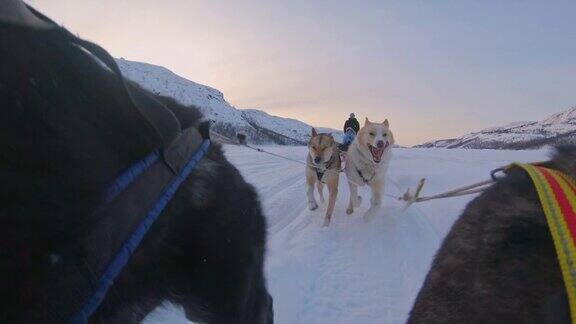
(314, 133)
(386, 123)
(366, 121)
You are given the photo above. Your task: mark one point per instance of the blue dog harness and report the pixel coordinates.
(148, 167)
(130, 205)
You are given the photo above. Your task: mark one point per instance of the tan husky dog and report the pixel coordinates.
(323, 167)
(367, 160)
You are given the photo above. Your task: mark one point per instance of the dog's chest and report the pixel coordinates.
(363, 172)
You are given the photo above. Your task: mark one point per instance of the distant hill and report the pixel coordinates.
(556, 129)
(258, 126)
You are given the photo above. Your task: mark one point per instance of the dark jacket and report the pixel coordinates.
(352, 123)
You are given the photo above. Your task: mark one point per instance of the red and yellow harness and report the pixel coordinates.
(557, 194)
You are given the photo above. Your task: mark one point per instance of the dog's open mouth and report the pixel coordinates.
(378, 151)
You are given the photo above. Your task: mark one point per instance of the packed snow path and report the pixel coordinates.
(354, 272)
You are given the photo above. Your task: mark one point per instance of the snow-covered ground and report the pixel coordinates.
(353, 272)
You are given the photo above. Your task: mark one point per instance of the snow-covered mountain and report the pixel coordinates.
(556, 129)
(258, 126)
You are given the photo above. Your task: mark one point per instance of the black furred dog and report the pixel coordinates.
(67, 130)
(498, 263)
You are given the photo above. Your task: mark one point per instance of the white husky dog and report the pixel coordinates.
(367, 160)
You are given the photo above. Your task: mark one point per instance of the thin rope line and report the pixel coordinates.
(461, 191)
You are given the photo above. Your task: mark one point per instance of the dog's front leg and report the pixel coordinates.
(312, 204)
(375, 200)
(320, 187)
(332, 195)
(354, 198)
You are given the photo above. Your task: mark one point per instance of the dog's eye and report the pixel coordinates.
(372, 134)
(384, 134)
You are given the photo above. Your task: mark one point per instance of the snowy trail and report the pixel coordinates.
(353, 272)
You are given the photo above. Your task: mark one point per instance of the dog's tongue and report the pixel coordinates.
(376, 153)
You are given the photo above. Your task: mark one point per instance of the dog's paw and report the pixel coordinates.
(367, 218)
(358, 201)
(349, 211)
(312, 205)
(369, 215)
(326, 222)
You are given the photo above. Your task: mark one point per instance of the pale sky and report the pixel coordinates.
(435, 69)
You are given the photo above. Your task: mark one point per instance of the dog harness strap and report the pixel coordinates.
(140, 193)
(557, 194)
(320, 171)
(362, 176)
(319, 174)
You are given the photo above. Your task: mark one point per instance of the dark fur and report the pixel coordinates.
(498, 263)
(66, 131)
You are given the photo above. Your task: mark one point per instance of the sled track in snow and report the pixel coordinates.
(353, 272)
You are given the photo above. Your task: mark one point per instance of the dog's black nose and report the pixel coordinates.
(380, 144)
(317, 160)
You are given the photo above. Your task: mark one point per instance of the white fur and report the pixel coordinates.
(360, 158)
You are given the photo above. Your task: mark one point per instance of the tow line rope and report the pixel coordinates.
(410, 196)
(323, 169)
